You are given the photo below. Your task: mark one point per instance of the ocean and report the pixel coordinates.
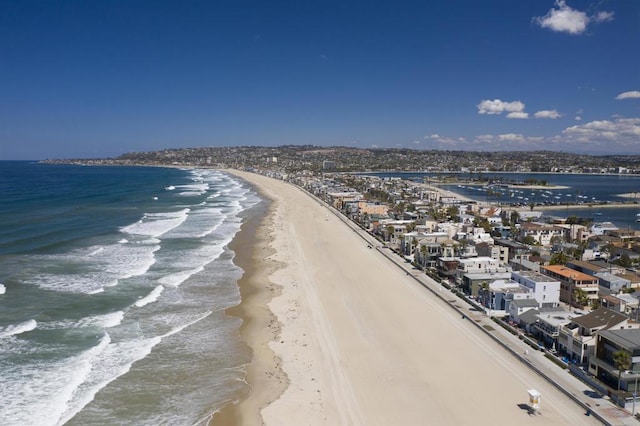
(113, 287)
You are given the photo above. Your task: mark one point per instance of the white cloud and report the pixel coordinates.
(511, 137)
(578, 118)
(520, 115)
(622, 131)
(563, 18)
(603, 17)
(634, 94)
(497, 106)
(444, 142)
(552, 114)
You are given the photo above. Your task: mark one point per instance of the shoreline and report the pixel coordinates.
(264, 375)
(359, 339)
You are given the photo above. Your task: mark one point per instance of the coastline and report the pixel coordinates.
(252, 247)
(362, 344)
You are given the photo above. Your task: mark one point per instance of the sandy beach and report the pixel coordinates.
(350, 339)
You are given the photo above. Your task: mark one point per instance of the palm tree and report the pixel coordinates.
(622, 361)
(582, 298)
(559, 258)
(423, 255)
(486, 294)
(390, 230)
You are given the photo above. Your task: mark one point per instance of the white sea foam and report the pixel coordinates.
(200, 223)
(193, 189)
(105, 268)
(40, 393)
(170, 188)
(14, 330)
(3, 289)
(113, 362)
(156, 224)
(151, 297)
(96, 251)
(109, 320)
(174, 280)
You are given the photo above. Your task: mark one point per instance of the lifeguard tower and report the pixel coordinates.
(534, 400)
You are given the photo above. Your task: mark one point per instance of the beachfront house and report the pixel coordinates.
(519, 307)
(448, 267)
(393, 231)
(573, 284)
(603, 366)
(425, 247)
(472, 282)
(548, 324)
(524, 318)
(337, 199)
(577, 339)
(546, 290)
(498, 295)
(471, 272)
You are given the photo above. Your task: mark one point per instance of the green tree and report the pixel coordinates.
(485, 293)
(389, 230)
(622, 361)
(572, 220)
(423, 255)
(515, 217)
(582, 298)
(624, 261)
(559, 258)
(453, 211)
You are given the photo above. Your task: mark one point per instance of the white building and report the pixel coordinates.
(546, 290)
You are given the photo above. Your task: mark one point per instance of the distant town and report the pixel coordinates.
(567, 286)
(296, 158)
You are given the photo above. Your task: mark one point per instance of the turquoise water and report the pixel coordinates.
(114, 282)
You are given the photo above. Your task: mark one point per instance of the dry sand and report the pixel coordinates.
(361, 343)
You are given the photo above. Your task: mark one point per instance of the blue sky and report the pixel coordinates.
(101, 78)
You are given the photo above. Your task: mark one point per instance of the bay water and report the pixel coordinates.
(592, 191)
